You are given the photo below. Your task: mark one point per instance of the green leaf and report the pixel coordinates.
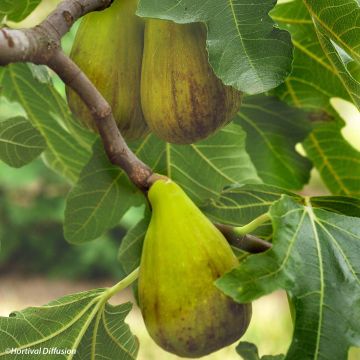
(273, 129)
(83, 323)
(17, 10)
(103, 193)
(245, 49)
(239, 205)
(44, 106)
(249, 351)
(316, 78)
(341, 204)
(313, 80)
(340, 19)
(315, 258)
(205, 168)
(341, 62)
(20, 142)
(131, 245)
(10, 109)
(100, 198)
(336, 160)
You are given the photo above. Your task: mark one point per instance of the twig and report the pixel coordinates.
(42, 45)
(247, 242)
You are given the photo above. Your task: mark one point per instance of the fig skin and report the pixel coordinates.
(183, 254)
(108, 48)
(182, 99)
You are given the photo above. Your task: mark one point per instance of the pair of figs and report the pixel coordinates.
(183, 254)
(154, 73)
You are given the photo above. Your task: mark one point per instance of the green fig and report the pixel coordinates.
(182, 99)
(108, 48)
(183, 254)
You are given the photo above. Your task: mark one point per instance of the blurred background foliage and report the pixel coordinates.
(32, 201)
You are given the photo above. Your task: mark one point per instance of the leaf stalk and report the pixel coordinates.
(253, 225)
(122, 284)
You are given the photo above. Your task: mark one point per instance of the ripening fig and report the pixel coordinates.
(182, 99)
(183, 254)
(108, 47)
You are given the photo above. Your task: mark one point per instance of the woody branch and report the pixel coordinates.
(42, 45)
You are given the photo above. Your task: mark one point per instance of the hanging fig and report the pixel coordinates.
(108, 47)
(182, 99)
(183, 254)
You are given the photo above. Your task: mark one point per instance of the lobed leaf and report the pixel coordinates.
(82, 326)
(315, 258)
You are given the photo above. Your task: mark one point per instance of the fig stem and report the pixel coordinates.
(122, 284)
(253, 225)
(41, 45)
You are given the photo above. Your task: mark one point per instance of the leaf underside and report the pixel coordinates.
(81, 322)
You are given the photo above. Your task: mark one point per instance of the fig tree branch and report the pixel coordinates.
(42, 45)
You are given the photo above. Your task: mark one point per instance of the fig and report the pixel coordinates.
(108, 48)
(182, 99)
(183, 254)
